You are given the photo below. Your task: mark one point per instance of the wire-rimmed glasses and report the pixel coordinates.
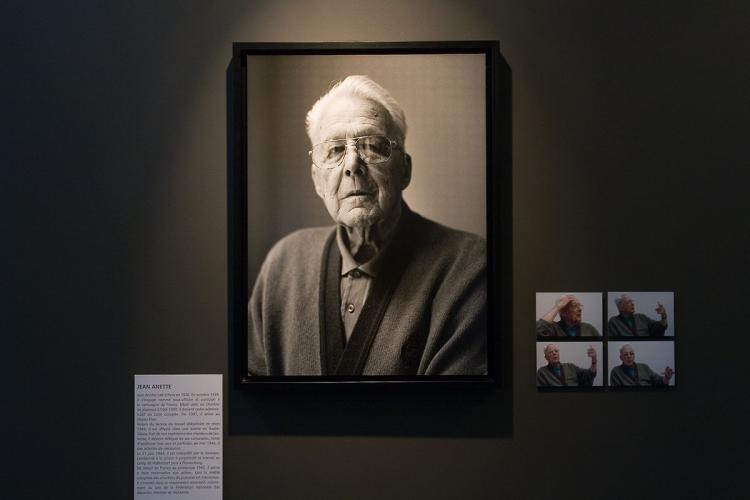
(371, 149)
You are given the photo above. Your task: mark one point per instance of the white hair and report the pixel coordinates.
(626, 345)
(365, 88)
(619, 299)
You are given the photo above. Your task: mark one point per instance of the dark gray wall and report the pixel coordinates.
(630, 172)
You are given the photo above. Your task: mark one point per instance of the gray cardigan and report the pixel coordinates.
(435, 322)
(644, 375)
(572, 376)
(644, 327)
(545, 329)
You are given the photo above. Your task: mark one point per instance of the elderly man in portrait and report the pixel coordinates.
(570, 310)
(557, 374)
(630, 373)
(384, 291)
(629, 323)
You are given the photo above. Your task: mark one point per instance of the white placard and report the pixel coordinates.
(178, 437)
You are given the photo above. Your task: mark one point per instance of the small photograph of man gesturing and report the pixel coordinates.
(568, 364)
(640, 314)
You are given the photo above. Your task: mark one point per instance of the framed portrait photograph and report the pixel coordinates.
(369, 212)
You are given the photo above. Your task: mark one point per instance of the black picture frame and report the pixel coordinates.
(498, 192)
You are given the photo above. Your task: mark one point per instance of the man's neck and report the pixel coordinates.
(365, 242)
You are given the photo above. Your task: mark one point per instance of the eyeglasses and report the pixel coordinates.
(372, 149)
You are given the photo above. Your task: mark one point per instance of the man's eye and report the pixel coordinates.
(335, 150)
(374, 148)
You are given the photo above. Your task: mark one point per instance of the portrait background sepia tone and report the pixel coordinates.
(443, 98)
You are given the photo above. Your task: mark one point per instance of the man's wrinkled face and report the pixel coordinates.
(627, 306)
(627, 356)
(552, 354)
(356, 194)
(571, 313)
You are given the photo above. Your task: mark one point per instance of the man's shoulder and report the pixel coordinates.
(616, 322)
(446, 254)
(449, 234)
(643, 367)
(449, 240)
(588, 327)
(546, 329)
(572, 367)
(301, 243)
(307, 235)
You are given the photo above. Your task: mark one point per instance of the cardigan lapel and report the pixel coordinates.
(350, 359)
(331, 330)
(632, 328)
(561, 377)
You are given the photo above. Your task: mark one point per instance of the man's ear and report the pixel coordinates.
(314, 173)
(406, 171)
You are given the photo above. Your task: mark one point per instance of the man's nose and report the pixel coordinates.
(353, 164)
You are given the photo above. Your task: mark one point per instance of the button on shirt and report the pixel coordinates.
(355, 283)
(354, 287)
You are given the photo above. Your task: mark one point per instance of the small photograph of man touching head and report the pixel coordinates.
(640, 314)
(641, 364)
(568, 364)
(569, 314)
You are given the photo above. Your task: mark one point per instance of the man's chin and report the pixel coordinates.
(360, 217)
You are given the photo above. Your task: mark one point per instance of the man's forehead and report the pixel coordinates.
(348, 115)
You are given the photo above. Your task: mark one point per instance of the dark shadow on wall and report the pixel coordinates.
(457, 410)
(371, 410)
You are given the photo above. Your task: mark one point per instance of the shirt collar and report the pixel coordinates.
(569, 328)
(374, 265)
(348, 263)
(627, 319)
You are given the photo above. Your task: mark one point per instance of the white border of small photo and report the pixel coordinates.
(591, 302)
(658, 355)
(646, 303)
(574, 352)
